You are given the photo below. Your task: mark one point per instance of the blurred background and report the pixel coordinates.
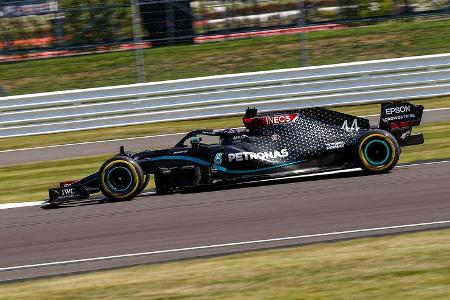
(68, 44)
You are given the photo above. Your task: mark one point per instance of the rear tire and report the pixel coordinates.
(377, 152)
(121, 178)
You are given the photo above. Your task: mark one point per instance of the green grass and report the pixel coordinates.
(171, 127)
(30, 182)
(386, 40)
(436, 146)
(407, 266)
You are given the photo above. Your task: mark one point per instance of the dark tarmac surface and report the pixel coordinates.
(408, 195)
(138, 144)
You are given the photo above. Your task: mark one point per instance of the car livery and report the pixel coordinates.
(273, 144)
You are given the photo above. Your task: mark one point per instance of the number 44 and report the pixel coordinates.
(354, 126)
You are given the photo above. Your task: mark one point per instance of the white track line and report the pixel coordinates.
(26, 204)
(93, 142)
(253, 242)
(423, 164)
(142, 137)
(20, 204)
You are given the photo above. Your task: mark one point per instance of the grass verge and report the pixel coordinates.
(408, 266)
(385, 40)
(172, 127)
(30, 182)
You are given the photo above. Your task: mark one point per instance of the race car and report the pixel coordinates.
(272, 144)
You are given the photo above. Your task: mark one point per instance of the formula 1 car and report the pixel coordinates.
(272, 144)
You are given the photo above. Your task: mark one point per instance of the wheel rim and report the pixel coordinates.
(119, 179)
(377, 152)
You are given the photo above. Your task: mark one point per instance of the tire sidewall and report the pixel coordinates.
(388, 140)
(145, 182)
(136, 174)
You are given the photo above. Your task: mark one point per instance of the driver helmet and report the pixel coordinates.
(195, 140)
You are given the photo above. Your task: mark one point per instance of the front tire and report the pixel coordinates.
(121, 178)
(145, 183)
(378, 152)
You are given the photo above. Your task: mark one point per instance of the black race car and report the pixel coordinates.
(271, 145)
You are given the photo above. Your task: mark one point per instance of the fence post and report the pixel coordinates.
(137, 39)
(3, 92)
(304, 55)
(57, 20)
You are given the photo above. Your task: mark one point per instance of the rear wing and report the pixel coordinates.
(398, 118)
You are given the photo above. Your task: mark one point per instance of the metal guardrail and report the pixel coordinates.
(226, 95)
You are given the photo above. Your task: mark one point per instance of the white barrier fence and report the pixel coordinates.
(226, 95)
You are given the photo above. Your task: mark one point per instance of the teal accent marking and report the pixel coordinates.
(219, 168)
(218, 158)
(109, 182)
(222, 169)
(180, 157)
(388, 153)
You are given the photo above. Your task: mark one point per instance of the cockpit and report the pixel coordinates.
(209, 137)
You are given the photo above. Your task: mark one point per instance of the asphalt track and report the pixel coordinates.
(138, 144)
(95, 236)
